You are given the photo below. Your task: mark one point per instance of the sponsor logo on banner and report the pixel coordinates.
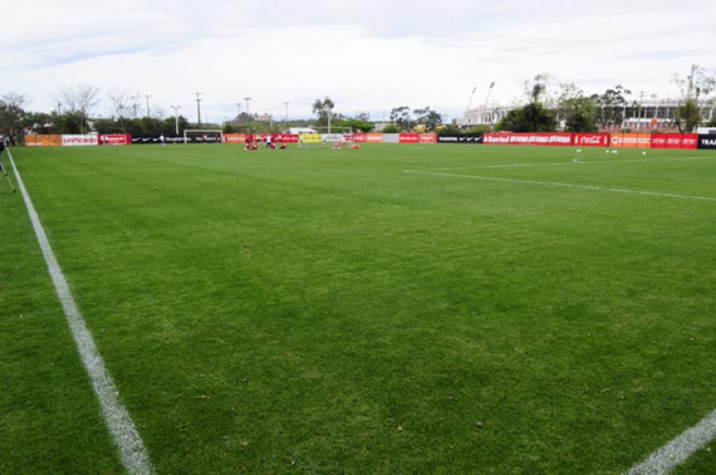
(591, 140)
(79, 140)
(428, 138)
(557, 138)
(234, 138)
(691, 141)
(375, 138)
(496, 139)
(631, 140)
(43, 140)
(409, 138)
(115, 139)
(460, 138)
(707, 142)
(362, 138)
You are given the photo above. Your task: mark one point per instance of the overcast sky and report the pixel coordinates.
(367, 55)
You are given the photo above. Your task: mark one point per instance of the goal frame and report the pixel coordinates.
(218, 132)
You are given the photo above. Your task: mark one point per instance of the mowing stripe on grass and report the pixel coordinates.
(678, 450)
(568, 185)
(133, 453)
(558, 164)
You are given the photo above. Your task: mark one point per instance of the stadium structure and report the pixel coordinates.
(645, 115)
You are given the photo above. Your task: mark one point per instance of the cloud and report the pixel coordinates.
(371, 55)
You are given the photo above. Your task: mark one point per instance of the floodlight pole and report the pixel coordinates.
(147, 96)
(238, 117)
(248, 114)
(286, 120)
(176, 118)
(198, 107)
(492, 84)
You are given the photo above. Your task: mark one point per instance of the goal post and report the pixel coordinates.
(203, 136)
(324, 137)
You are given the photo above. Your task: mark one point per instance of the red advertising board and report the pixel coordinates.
(409, 138)
(690, 141)
(115, 139)
(361, 138)
(428, 138)
(591, 140)
(675, 141)
(375, 138)
(546, 138)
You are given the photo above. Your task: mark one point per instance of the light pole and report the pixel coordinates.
(247, 99)
(286, 120)
(198, 107)
(147, 96)
(492, 84)
(176, 118)
(238, 116)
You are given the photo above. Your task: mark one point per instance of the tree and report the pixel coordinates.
(534, 117)
(122, 102)
(323, 109)
(531, 118)
(79, 102)
(696, 92)
(429, 118)
(578, 112)
(12, 114)
(400, 116)
(612, 106)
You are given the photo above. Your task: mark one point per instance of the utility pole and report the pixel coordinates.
(147, 96)
(176, 118)
(286, 120)
(198, 107)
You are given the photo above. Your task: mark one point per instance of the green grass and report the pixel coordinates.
(324, 312)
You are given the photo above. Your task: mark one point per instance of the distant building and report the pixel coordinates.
(649, 114)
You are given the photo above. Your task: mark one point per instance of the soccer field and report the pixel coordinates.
(398, 309)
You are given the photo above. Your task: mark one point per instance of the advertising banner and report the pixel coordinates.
(360, 137)
(631, 140)
(707, 141)
(375, 138)
(428, 138)
(408, 138)
(234, 138)
(391, 138)
(461, 138)
(43, 140)
(658, 140)
(115, 139)
(544, 138)
(690, 141)
(79, 140)
(591, 140)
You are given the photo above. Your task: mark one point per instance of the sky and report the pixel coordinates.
(367, 55)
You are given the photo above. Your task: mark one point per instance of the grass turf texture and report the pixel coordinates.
(322, 311)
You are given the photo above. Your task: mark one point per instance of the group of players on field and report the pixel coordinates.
(252, 142)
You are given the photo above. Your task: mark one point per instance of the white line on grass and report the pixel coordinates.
(558, 164)
(133, 453)
(567, 185)
(678, 450)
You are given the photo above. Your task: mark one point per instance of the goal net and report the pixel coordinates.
(203, 136)
(337, 137)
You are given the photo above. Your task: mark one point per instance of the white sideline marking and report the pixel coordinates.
(678, 450)
(133, 453)
(567, 185)
(557, 164)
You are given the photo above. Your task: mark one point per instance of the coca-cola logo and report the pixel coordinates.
(590, 140)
